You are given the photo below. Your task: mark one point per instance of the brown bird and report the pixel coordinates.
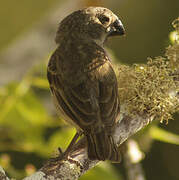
(82, 80)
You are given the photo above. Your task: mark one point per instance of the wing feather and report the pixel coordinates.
(90, 105)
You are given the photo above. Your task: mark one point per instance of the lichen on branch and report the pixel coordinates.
(151, 88)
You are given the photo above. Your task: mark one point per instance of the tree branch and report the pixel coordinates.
(2, 174)
(78, 162)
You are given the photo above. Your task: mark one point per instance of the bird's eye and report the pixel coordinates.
(103, 19)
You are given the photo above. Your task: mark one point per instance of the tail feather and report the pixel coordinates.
(101, 146)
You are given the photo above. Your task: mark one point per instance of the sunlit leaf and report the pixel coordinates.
(163, 135)
(40, 83)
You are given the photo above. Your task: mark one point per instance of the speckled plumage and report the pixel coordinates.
(83, 82)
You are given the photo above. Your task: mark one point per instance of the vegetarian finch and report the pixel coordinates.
(82, 80)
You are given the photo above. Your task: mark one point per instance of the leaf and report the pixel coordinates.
(104, 171)
(40, 83)
(32, 110)
(163, 135)
(61, 138)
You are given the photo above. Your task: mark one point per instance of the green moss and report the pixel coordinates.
(151, 88)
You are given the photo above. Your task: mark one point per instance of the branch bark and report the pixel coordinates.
(2, 174)
(78, 162)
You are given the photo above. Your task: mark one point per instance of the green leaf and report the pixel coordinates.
(14, 92)
(40, 83)
(32, 110)
(104, 171)
(61, 138)
(163, 135)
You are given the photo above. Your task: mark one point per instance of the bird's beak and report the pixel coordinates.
(116, 28)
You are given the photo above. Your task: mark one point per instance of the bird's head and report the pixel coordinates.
(92, 24)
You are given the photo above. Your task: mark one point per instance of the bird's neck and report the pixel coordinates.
(82, 40)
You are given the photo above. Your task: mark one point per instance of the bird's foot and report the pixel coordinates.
(64, 155)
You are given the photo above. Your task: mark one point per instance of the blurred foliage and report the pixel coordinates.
(163, 135)
(30, 131)
(102, 171)
(18, 17)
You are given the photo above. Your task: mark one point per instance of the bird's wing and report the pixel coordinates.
(74, 102)
(91, 104)
(108, 96)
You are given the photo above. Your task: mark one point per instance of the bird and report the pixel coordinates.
(82, 81)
